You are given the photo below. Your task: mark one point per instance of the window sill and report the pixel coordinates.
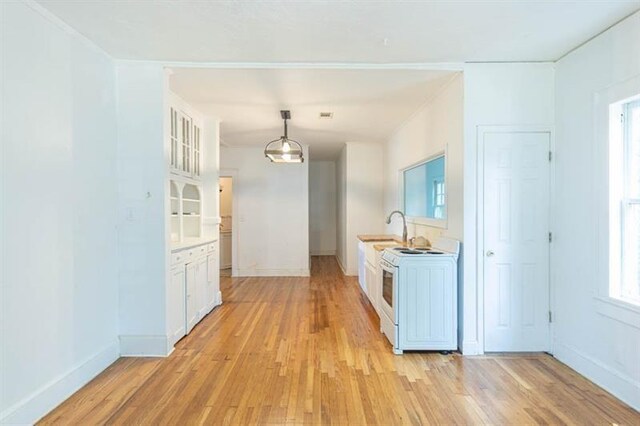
(619, 310)
(425, 221)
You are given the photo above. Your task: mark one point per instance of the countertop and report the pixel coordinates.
(371, 238)
(382, 246)
(190, 242)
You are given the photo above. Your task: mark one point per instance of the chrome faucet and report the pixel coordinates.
(404, 224)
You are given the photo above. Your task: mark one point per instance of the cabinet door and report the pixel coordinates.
(177, 315)
(197, 150)
(191, 296)
(361, 259)
(372, 284)
(174, 142)
(201, 287)
(368, 276)
(213, 274)
(186, 141)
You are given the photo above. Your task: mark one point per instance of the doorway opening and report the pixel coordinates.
(226, 225)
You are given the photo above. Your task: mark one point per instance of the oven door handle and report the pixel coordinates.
(387, 266)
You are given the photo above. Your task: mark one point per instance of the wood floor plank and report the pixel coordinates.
(308, 351)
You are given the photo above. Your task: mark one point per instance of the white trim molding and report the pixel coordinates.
(342, 268)
(32, 408)
(618, 310)
(258, 272)
(613, 381)
(323, 253)
(144, 346)
(604, 251)
(471, 347)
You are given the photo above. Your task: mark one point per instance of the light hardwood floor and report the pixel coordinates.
(309, 351)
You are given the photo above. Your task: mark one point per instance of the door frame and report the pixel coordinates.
(480, 249)
(233, 174)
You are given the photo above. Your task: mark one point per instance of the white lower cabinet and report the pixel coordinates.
(177, 311)
(372, 274)
(192, 296)
(371, 277)
(213, 280)
(201, 287)
(362, 280)
(194, 289)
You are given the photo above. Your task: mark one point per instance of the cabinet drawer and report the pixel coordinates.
(200, 250)
(177, 257)
(211, 247)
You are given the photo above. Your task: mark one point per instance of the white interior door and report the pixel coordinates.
(516, 241)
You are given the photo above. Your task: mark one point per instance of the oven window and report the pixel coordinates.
(387, 287)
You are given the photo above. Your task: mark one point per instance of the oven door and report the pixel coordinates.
(389, 291)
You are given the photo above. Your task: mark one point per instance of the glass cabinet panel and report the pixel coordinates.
(173, 137)
(186, 144)
(196, 150)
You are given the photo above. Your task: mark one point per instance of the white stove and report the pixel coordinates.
(419, 296)
(443, 247)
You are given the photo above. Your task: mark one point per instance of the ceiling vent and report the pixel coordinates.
(326, 115)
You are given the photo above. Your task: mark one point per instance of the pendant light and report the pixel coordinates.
(283, 149)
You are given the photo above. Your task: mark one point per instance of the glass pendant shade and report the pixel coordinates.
(283, 149)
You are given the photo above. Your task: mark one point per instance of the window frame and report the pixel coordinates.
(607, 129)
(621, 290)
(427, 221)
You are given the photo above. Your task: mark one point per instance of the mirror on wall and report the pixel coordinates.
(424, 191)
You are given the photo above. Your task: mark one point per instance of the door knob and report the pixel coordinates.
(490, 253)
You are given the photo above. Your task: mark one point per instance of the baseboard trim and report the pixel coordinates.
(32, 408)
(622, 387)
(273, 273)
(342, 268)
(471, 347)
(323, 253)
(144, 346)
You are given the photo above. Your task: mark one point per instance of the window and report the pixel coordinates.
(624, 167)
(425, 190)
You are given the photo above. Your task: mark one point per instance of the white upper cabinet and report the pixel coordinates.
(173, 137)
(197, 157)
(185, 140)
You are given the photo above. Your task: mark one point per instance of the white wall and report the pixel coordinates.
(494, 95)
(597, 338)
(341, 209)
(359, 178)
(210, 175)
(322, 207)
(437, 126)
(143, 230)
(272, 212)
(59, 314)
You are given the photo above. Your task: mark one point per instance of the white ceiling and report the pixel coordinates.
(368, 105)
(340, 31)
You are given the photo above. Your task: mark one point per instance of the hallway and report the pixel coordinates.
(309, 351)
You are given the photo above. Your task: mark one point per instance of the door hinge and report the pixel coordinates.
(550, 156)
(550, 317)
(550, 236)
